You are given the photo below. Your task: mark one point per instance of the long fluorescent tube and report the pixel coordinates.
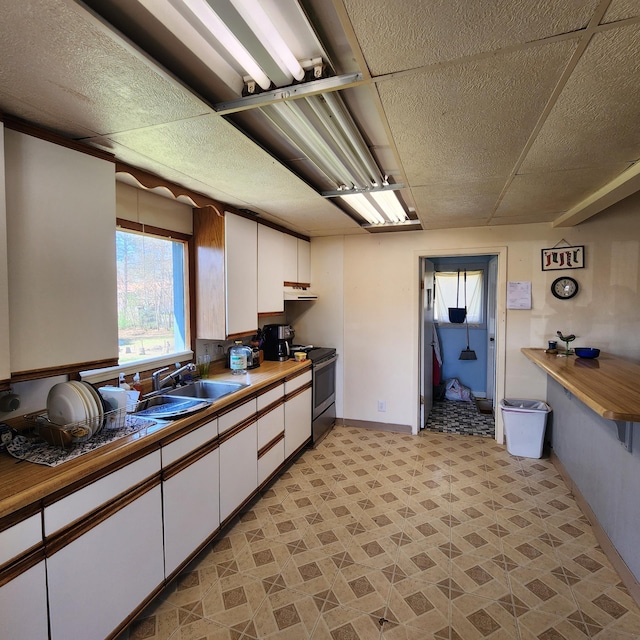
(389, 203)
(208, 17)
(256, 17)
(360, 203)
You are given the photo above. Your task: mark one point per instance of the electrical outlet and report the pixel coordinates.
(382, 405)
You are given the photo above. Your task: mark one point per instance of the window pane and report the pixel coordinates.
(151, 296)
(451, 294)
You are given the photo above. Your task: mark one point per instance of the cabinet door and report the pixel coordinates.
(5, 365)
(241, 267)
(304, 261)
(297, 422)
(23, 605)
(61, 256)
(270, 270)
(191, 508)
(289, 258)
(97, 580)
(238, 469)
(270, 431)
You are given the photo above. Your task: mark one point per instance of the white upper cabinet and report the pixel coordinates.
(5, 364)
(270, 270)
(297, 264)
(60, 208)
(241, 267)
(304, 261)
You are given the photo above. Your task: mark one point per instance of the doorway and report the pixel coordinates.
(467, 352)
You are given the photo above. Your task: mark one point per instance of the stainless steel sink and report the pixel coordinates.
(170, 407)
(207, 389)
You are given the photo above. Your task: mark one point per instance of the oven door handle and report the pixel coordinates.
(325, 363)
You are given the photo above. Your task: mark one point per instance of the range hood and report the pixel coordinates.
(299, 293)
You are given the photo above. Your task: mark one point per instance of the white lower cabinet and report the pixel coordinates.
(97, 580)
(191, 500)
(270, 442)
(238, 469)
(23, 606)
(297, 422)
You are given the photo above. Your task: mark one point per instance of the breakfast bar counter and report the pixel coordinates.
(608, 385)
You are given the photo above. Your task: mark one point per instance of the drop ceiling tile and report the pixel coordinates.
(468, 200)
(550, 193)
(621, 10)
(595, 119)
(395, 36)
(471, 120)
(79, 68)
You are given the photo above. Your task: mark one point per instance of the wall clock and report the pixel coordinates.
(564, 288)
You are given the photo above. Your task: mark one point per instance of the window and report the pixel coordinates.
(450, 292)
(152, 295)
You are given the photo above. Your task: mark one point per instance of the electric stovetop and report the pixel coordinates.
(315, 354)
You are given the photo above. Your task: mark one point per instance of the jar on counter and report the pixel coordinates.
(239, 358)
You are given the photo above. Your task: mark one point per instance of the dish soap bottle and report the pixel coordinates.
(239, 358)
(122, 383)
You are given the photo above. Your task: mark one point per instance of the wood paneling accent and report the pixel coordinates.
(291, 376)
(267, 447)
(130, 225)
(25, 563)
(18, 516)
(43, 134)
(269, 408)
(64, 537)
(241, 426)
(297, 392)
(61, 370)
(208, 234)
(190, 458)
(608, 385)
(297, 285)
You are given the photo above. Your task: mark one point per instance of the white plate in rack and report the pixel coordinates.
(99, 422)
(65, 405)
(90, 404)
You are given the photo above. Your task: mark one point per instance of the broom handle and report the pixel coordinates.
(466, 315)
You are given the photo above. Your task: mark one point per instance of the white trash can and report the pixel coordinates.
(524, 425)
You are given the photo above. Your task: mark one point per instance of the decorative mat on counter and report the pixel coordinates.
(42, 453)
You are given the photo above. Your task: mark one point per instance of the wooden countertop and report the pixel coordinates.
(608, 385)
(22, 484)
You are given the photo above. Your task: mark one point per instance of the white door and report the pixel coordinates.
(427, 293)
(492, 284)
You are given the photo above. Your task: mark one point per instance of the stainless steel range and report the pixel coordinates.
(323, 366)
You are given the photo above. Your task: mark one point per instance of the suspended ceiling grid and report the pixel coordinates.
(491, 113)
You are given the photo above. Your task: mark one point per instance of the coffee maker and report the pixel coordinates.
(277, 341)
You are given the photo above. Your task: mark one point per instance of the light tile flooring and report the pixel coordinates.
(393, 537)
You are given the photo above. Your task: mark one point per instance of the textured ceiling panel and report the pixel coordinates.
(622, 9)
(595, 119)
(79, 69)
(471, 120)
(229, 168)
(550, 193)
(440, 203)
(417, 33)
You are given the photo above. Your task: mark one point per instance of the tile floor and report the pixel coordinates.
(395, 537)
(452, 416)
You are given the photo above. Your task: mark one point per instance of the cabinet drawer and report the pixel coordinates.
(72, 507)
(270, 461)
(271, 396)
(270, 425)
(237, 415)
(20, 537)
(297, 382)
(188, 443)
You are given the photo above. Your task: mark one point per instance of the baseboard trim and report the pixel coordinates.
(629, 580)
(374, 426)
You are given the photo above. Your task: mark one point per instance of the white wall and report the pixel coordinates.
(377, 274)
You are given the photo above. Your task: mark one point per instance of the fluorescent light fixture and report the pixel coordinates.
(256, 17)
(360, 203)
(389, 203)
(210, 19)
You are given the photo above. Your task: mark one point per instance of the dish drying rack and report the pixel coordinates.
(75, 432)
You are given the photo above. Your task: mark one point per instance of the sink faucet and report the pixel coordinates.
(173, 378)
